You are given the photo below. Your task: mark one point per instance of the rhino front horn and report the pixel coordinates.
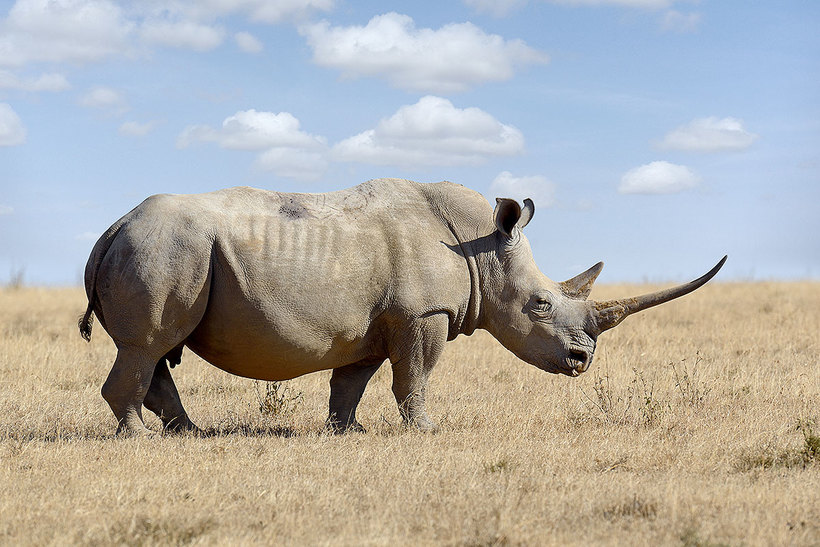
(608, 314)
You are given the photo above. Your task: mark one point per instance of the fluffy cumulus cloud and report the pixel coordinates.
(658, 177)
(104, 98)
(432, 132)
(709, 135)
(82, 31)
(248, 43)
(253, 130)
(452, 58)
(284, 148)
(535, 187)
(62, 31)
(12, 131)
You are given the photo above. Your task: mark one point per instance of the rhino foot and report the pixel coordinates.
(339, 428)
(181, 425)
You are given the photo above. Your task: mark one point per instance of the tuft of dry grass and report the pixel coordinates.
(698, 424)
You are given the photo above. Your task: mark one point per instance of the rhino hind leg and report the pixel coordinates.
(149, 314)
(347, 385)
(126, 386)
(163, 399)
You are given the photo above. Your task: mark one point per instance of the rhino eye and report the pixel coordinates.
(543, 303)
(539, 307)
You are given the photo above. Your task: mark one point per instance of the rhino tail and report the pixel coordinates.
(92, 267)
(86, 322)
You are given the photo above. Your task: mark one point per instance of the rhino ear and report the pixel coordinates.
(526, 213)
(506, 215)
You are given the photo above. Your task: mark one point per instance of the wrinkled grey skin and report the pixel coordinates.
(271, 286)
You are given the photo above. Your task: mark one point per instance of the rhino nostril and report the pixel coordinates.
(581, 357)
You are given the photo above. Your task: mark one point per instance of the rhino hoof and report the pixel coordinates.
(180, 427)
(339, 428)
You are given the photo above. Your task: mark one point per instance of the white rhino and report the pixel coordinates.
(273, 285)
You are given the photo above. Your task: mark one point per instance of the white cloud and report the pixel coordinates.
(449, 59)
(6, 210)
(248, 43)
(62, 30)
(535, 187)
(104, 98)
(263, 11)
(80, 31)
(252, 130)
(658, 177)
(432, 132)
(137, 129)
(709, 135)
(675, 21)
(285, 149)
(182, 34)
(44, 82)
(12, 131)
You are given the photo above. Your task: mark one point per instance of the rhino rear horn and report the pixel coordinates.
(579, 286)
(608, 314)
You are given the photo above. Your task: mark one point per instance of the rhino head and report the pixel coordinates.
(548, 324)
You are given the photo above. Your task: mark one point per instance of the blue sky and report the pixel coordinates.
(656, 135)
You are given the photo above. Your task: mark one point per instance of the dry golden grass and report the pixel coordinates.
(698, 424)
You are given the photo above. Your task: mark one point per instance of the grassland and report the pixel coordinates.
(698, 424)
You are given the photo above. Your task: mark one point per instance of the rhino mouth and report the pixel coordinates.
(576, 361)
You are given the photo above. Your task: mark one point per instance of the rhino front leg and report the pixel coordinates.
(413, 360)
(163, 400)
(347, 385)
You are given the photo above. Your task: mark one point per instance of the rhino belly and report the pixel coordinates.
(261, 362)
(270, 340)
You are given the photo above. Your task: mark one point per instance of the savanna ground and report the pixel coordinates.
(698, 424)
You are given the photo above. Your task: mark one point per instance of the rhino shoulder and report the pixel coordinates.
(461, 207)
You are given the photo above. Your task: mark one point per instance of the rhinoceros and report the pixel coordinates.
(271, 285)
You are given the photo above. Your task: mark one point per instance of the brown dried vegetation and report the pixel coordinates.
(698, 424)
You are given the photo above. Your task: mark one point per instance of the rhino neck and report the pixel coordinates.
(469, 315)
